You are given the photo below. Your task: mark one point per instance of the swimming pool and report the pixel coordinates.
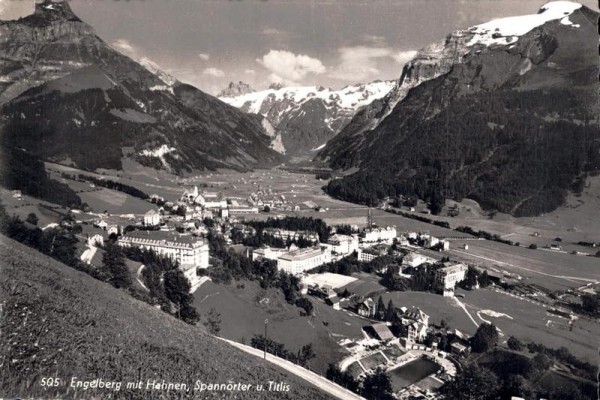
(412, 372)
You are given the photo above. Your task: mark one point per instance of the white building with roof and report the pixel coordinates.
(343, 244)
(447, 277)
(373, 235)
(415, 259)
(297, 261)
(188, 251)
(152, 218)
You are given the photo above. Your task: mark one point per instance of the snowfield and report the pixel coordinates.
(507, 30)
(350, 97)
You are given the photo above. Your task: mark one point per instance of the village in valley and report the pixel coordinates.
(362, 297)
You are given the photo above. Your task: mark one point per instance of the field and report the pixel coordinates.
(60, 323)
(531, 322)
(550, 269)
(28, 205)
(436, 306)
(512, 315)
(244, 310)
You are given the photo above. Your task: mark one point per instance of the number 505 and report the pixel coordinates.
(50, 382)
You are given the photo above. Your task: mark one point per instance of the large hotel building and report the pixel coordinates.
(190, 252)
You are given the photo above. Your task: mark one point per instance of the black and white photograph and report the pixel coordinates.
(299, 199)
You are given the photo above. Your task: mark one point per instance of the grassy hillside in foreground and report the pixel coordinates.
(58, 322)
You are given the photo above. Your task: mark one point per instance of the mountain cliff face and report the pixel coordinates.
(307, 117)
(65, 94)
(236, 89)
(504, 112)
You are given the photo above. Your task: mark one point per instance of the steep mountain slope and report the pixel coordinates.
(66, 94)
(505, 113)
(306, 117)
(56, 322)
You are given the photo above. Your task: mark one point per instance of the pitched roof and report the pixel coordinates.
(383, 331)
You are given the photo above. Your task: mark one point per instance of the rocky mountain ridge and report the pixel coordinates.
(467, 109)
(307, 117)
(65, 93)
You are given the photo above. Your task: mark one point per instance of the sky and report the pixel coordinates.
(332, 43)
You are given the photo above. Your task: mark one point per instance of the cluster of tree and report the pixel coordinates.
(484, 235)
(344, 229)
(301, 357)
(114, 266)
(474, 277)
(563, 355)
(421, 218)
(350, 265)
(177, 290)
(109, 184)
(590, 304)
(295, 224)
(22, 171)
(375, 386)
(485, 338)
(59, 243)
(167, 285)
(264, 239)
(499, 374)
(422, 278)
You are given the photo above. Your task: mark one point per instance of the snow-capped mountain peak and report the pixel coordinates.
(156, 70)
(350, 97)
(307, 117)
(504, 31)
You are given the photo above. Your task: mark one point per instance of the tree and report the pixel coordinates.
(188, 313)
(177, 289)
(517, 386)
(485, 338)
(378, 386)
(177, 286)
(344, 379)
(471, 278)
(305, 304)
(32, 219)
(390, 311)
(533, 246)
(113, 261)
(381, 308)
(213, 322)
(590, 303)
(305, 354)
(473, 383)
(484, 280)
(514, 344)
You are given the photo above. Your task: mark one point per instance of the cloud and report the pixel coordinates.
(126, 47)
(204, 56)
(359, 62)
(249, 71)
(217, 73)
(273, 32)
(290, 68)
(375, 40)
(402, 57)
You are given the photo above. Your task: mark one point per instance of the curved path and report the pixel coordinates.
(322, 383)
